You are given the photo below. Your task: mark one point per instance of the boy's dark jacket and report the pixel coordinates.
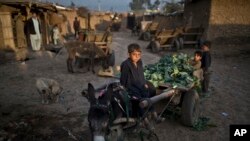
(133, 78)
(206, 60)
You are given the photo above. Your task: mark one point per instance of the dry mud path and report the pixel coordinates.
(24, 118)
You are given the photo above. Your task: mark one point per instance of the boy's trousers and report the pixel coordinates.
(205, 82)
(36, 41)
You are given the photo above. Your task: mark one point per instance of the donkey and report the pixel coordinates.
(82, 49)
(106, 104)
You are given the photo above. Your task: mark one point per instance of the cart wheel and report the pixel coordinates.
(146, 36)
(181, 43)
(175, 45)
(155, 46)
(190, 108)
(149, 46)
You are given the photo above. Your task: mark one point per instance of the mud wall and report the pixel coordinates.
(229, 21)
(169, 22)
(197, 13)
(165, 22)
(99, 21)
(67, 26)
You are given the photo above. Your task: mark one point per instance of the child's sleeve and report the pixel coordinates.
(124, 75)
(207, 62)
(197, 65)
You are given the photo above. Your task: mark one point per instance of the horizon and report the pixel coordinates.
(102, 5)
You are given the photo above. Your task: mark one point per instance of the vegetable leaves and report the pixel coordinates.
(174, 69)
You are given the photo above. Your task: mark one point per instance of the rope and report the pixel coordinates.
(167, 104)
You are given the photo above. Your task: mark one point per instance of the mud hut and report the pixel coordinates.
(170, 21)
(224, 20)
(69, 15)
(13, 14)
(100, 21)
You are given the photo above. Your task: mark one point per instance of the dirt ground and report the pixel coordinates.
(24, 118)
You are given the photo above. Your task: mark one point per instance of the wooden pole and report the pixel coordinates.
(148, 102)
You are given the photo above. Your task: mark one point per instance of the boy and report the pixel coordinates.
(132, 78)
(205, 64)
(56, 34)
(136, 29)
(76, 25)
(196, 63)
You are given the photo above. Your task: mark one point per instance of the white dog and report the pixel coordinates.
(49, 89)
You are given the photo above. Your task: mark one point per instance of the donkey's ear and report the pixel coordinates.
(91, 93)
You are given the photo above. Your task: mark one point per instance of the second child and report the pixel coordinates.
(205, 65)
(196, 63)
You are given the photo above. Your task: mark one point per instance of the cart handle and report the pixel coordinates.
(181, 88)
(150, 101)
(167, 93)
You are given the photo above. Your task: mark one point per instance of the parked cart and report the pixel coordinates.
(185, 97)
(191, 36)
(166, 39)
(149, 31)
(101, 39)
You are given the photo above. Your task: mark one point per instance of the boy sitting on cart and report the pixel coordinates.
(132, 78)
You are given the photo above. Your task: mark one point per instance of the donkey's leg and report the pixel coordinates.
(88, 61)
(69, 65)
(92, 63)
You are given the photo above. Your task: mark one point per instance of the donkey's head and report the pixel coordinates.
(99, 112)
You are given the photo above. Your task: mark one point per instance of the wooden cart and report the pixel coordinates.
(188, 98)
(103, 51)
(102, 40)
(185, 97)
(191, 36)
(166, 39)
(150, 30)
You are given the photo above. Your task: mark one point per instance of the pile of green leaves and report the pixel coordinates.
(174, 69)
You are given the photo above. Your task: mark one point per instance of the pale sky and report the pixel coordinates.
(116, 5)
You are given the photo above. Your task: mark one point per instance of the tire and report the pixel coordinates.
(181, 41)
(175, 45)
(190, 108)
(146, 36)
(155, 46)
(149, 45)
